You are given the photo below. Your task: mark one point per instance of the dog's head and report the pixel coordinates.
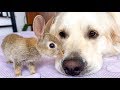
(86, 37)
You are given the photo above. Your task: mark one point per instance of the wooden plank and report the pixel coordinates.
(30, 17)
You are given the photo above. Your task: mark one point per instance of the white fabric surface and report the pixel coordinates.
(46, 69)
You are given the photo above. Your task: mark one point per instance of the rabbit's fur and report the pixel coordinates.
(20, 50)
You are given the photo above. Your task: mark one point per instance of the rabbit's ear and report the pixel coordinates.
(48, 24)
(38, 26)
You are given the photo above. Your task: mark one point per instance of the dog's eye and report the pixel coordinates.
(62, 34)
(92, 34)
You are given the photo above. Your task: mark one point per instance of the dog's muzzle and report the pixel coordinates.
(73, 66)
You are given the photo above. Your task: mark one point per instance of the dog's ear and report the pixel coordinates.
(115, 37)
(116, 17)
(115, 31)
(38, 26)
(48, 24)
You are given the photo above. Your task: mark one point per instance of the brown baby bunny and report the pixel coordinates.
(27, 51)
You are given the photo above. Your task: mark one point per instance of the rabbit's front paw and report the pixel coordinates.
(18, 72)
(17, 67)
(31, 67)
(32, 70)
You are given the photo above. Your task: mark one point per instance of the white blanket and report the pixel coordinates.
(46, 69)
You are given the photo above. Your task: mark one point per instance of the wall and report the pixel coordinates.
(5, 21)
(20, 21)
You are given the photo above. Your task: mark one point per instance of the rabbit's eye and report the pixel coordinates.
(52, 45)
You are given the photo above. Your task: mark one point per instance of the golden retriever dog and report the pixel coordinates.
(86, 37)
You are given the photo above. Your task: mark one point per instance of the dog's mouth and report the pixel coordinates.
(75, 65)
(87, 70)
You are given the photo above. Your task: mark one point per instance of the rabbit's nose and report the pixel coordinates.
(60, 53)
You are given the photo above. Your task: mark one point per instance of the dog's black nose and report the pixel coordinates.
(73, 67)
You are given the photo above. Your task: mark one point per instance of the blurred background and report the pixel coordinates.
(19, 21)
